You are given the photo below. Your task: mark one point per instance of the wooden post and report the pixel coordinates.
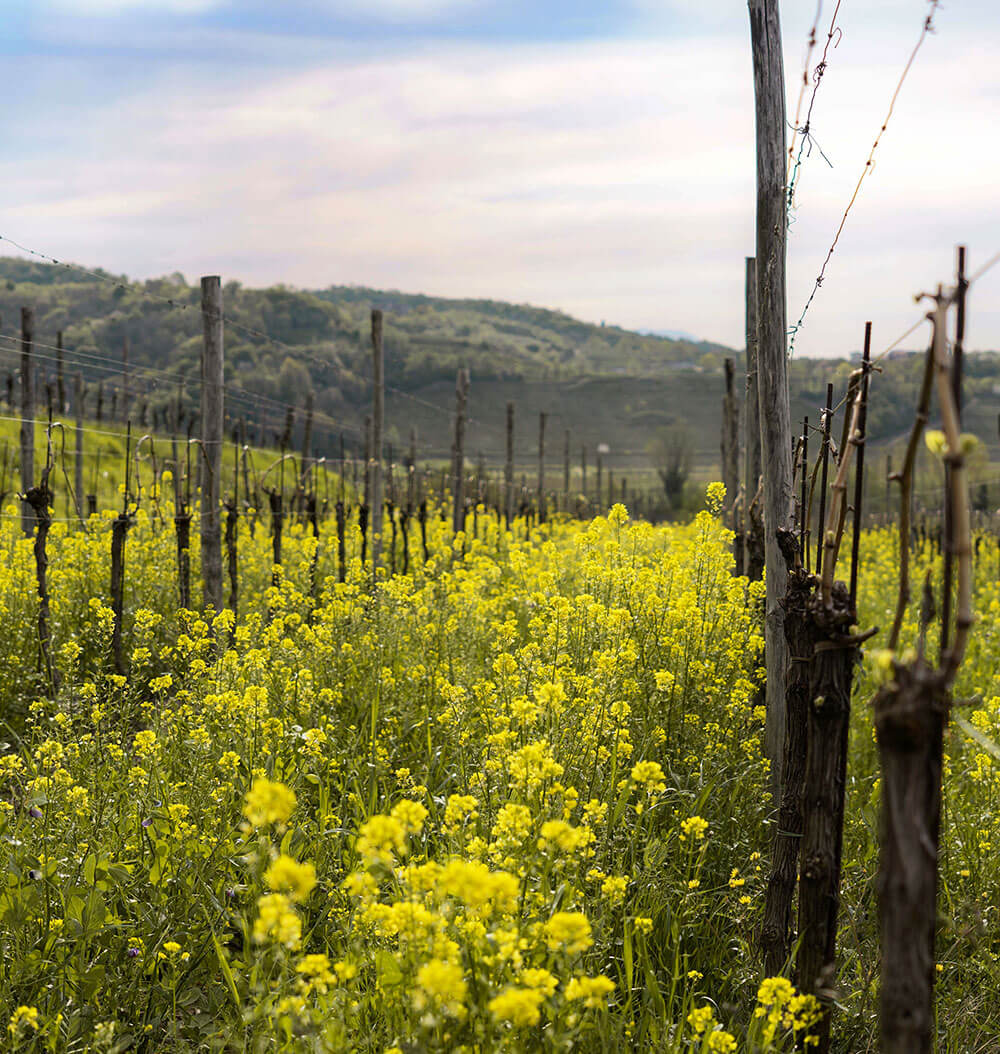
(378, 411)
(888, 485)
(119, 529)
(364, 507)
(752, 515)
(541, 467)
(508, 469)
(777, 930)
(307, 440)
(126, 393)
(78, 460)
(411, 476)
(232, 525)
(804, 498)
(859, 474)
(772, 378)
(60, 378)
(458, 467)
(583, 472)
(956, 384)
(566, 472)
(730, 447)
(600, 496)
(341, 519)
(27, 417)
(211, 441)
(825, 455)
(611, 486)
(40, 500)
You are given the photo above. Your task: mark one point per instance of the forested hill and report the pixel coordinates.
(327, 331)
(602, 383)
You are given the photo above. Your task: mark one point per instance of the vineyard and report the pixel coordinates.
(344, 710)
(513, 800)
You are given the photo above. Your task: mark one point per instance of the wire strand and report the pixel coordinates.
(926, 29)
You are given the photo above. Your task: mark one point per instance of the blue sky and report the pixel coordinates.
(596, 157)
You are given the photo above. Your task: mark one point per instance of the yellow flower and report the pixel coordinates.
(268, 802)
(411, 814)
(539, 978)
(315, 974)
(568, 931)
(460, 807)
(693, 827)
(701, 1019)
(715, 495)
(381, 836)
(650, 775)
(441, 985)
(23, 1016)
(614, 888)
(520, 1007)
(592, 990)
(720, 1042)
(289, 876)
(277, 921)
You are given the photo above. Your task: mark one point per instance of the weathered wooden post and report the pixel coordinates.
(541, 467)
(600, 493)
(119, 529)
(752, 518)
(126, 389)
(232, 525)
(211, 441)
(824, 473)
(378, 411)
(508, 469)
(458, 466)
(307, 441)
(182, 523)
(40, 500)
(859, 475)
(78, 457)
(730, 446)
(956, 384)
(60, 377)
(341, 519)
(566, 473)
(583, 472)
(27, 417)
(804, 497)
(775, 416)
(911, 713)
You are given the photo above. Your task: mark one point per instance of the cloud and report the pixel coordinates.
(399, 10)
(107, 8)
(613, 179)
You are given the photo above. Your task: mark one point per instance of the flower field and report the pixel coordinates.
(513, 801)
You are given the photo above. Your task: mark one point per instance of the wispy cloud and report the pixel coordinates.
(613, 179)
(109, 8)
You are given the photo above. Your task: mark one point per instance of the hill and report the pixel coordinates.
(605, 384)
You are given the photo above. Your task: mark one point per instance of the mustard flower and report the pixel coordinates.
(592, 990)
(268, 802)
(287, 875)
(519, 1007)
(568, 931)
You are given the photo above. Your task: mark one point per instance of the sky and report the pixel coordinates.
(595, 156)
